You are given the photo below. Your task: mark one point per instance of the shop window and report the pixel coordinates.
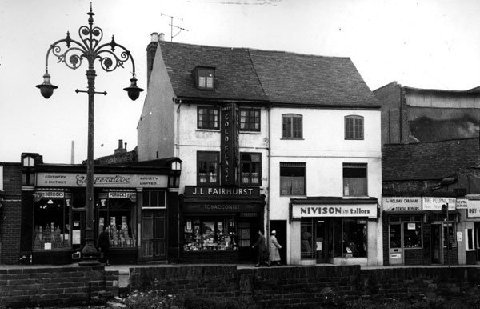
(412, 234)
(355, 179)
(207, 163)
(210, 234)
(354, 127)
(154, 199)
(353, 238)
(306, 243)
(249, 119)
(469, 239)
(292, 126)
(395, 236)
(205, 77)
(51, 225)
(117, 215)
(251, 168)
(208, 117)
(292, 178)
(244, 235)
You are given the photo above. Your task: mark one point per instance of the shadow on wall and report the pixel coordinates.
(425, 129)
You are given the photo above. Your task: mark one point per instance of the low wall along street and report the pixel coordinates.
(276, 287)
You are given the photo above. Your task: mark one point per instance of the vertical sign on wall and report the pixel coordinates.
(229, 145)
(1, 178)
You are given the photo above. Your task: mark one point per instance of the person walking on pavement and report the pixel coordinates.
(262, 250)
(274, 246)
(104, 246)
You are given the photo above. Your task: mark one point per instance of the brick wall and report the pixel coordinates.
(57, 286)
(11, 214)
(390, 99)
(300, 286)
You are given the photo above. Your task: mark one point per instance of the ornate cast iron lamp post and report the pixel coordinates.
(110, 56)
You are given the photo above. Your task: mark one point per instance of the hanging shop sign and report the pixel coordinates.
(221, 191)
(473, 209)
(38, 195)
(101, 180)
(311, 211)
(462, 203)
(436, 203)
(122, 194)
(229, 144)
(402, 203)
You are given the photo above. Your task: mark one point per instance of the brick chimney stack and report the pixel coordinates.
(155, 37)
(120, 148)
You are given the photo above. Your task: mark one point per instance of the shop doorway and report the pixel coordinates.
(154, 243)
(436, 241)
(477, 240)
(280, 226)
(323, 241)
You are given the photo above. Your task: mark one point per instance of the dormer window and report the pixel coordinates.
(205, 78)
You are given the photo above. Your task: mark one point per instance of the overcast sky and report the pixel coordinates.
(424, 43)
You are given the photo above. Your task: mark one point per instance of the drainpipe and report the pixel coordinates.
(267, 206)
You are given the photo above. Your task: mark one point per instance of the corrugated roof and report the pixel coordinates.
(273, 76)
(427, 161)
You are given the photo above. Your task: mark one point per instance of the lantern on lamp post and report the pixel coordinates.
(110, 55)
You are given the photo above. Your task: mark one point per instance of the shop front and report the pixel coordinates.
(471, 228)
(420, 230)
(124, 198)
(333, 230)
(220, 224)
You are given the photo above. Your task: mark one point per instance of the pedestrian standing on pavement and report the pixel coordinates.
(104, 246)
(262, 250)
(274, 246)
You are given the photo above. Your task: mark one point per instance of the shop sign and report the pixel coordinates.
(119, 194)
(221, 208)
(462, 203)
(402, 203)
(101, 180)
(308, 211)
(473, 210)
(435, 203)
(229, 144)
(221, 191)
(38, 195)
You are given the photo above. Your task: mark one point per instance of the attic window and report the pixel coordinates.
(205, 77)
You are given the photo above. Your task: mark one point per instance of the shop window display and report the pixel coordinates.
(51, 225)
(412, 234)
(344, 237)
(214, 234)
(117, 215)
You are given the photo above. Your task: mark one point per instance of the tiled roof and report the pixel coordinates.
(309, 79)
(235, 76)
(427, 161)
(275, 76)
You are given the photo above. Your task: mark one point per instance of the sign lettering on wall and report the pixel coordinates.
(435, 203)
(101, 180)
(473, 209)
(310, 211)
(221, 191)
(229, 145)
(462, 203)
(402, 203)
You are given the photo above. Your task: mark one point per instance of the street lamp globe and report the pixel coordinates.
(46, 88)
(133, 91)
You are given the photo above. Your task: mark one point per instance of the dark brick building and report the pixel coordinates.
(10, 211)
(418, 179)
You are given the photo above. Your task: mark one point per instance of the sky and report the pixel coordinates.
(424, 44)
